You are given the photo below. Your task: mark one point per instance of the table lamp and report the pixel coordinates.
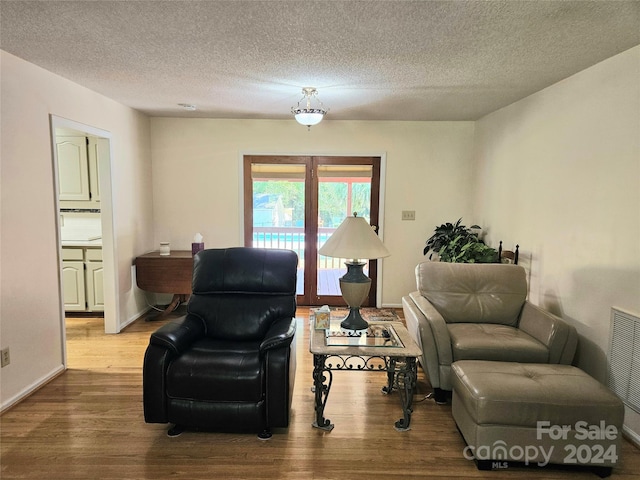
(354, 239)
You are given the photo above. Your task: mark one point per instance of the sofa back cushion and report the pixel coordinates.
(480, 293)
(239, 292)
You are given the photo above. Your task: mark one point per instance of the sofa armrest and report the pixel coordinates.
(178, 335)
(438, 327)
(154, 400)
(429, 330)
(279, 353)
(559, 337)
(279, 335)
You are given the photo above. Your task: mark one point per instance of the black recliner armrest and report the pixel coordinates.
(279, 335)
(178, 335)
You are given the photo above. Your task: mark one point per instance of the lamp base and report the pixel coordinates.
(354, 286)
(354, 320)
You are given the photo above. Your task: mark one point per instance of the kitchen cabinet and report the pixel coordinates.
(78, 172)
(94, 276)
(73, 168)
(82, 278)
(73, 286)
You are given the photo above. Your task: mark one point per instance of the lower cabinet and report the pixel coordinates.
(82, 278)
(73, 286)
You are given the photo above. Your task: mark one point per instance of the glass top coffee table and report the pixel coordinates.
(383, 347)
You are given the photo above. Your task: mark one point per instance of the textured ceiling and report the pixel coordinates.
(369, 60)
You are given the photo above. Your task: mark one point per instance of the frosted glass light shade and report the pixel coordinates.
(309, 118)
(354, 239)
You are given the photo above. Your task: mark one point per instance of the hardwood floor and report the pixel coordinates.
(88, 424)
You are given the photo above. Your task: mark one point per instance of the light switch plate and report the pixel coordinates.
(408, 215)
(4, 357)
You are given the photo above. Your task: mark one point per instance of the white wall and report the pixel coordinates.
(559, 173)
(196, 178)
(30, 304)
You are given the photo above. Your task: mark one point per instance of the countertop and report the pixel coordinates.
(97, 243)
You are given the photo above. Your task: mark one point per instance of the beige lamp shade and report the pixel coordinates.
(354, 239)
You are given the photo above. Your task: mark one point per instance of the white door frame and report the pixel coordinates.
(111, 296)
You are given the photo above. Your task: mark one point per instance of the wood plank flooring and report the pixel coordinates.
(88, 424)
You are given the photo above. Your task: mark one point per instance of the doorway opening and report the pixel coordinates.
(297, 202)
(84, 218)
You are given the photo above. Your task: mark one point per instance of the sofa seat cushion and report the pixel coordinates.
(234, 369)
(506, 393)
(488, 341)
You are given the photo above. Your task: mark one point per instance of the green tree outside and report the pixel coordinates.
(333, 199)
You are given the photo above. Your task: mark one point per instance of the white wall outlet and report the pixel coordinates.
(4, 357)
(408, 215)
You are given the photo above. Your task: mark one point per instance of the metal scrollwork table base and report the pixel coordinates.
(398, 362)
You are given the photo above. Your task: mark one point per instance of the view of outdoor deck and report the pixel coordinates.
(293, 238)
(285, 190)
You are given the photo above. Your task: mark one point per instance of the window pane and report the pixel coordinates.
(342, 190)
(278, 210)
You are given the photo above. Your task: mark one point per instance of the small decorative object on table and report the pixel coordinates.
(197, 245)
(322, 317)
(165, 248)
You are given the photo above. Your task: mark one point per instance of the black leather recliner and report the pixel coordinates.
(229, 364)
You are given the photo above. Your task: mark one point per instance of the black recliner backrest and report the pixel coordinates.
(239, 292)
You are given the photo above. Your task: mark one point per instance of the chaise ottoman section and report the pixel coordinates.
(535, 414)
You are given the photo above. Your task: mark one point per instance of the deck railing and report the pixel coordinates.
(293, 238)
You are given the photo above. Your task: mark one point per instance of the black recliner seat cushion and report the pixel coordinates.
(235, 370)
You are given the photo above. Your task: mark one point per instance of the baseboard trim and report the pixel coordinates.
(34, 387)
(391, 305)
(630, 435)
(134, 317)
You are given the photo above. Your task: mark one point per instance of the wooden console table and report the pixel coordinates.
(166, 274)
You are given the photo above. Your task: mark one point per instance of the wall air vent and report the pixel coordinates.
(624, 357)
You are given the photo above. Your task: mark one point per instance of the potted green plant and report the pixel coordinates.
(456, 243)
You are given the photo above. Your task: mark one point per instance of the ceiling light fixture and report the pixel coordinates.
(187, 106)
(312, 111)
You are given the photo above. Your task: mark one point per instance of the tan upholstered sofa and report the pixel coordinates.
(480, 312)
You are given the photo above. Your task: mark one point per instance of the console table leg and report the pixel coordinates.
(321, 374)
(175, 303)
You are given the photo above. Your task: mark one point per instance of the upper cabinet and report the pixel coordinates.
(73, 168)
(79, 185)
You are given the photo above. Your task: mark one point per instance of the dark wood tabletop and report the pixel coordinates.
(165, 273)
